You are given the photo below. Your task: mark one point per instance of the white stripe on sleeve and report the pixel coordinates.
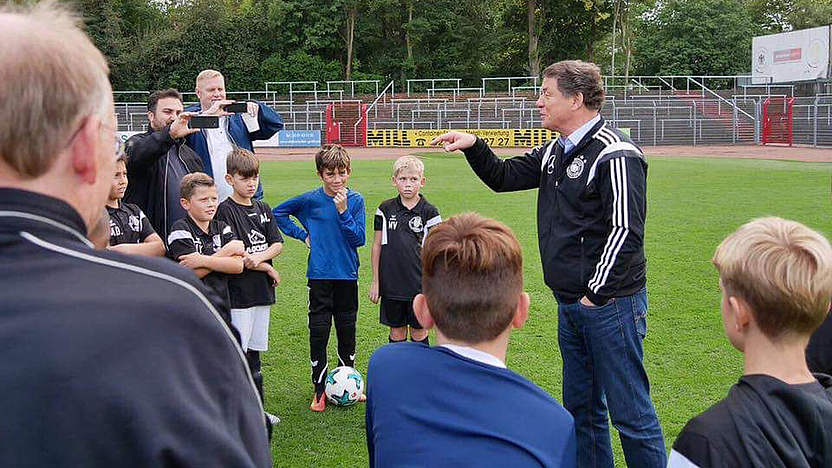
(176, 235)
(429, 224)
(383, 226)
(620, 224)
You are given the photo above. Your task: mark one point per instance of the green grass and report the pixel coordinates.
(693, 204)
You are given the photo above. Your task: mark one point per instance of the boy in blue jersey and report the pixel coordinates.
(332, 217)
(456, 404)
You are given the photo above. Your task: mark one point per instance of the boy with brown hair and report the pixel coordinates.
(776, 281)
(130, 230)
(458, 398)
(401, 225)
(251, 292)
(332, 217)
(202, 243)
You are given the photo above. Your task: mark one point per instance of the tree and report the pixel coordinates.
(705, 37)
(786, 15)
(534, 36)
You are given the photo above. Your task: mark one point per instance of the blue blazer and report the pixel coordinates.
(270, 123)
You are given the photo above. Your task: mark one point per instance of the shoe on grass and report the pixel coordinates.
(318, 402)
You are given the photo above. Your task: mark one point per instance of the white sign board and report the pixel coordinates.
(790, 56)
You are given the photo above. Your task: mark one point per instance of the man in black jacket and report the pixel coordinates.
(108, 359)
(591, 210)
(158, 159)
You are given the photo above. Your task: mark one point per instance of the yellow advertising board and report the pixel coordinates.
(496, 138)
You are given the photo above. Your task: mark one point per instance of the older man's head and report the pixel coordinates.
(57, 133)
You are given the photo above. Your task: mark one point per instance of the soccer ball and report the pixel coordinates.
(344, 386)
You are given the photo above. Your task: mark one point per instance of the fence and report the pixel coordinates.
(657, 110)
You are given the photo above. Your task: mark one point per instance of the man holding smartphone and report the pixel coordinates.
(258, 122)
(158, 159)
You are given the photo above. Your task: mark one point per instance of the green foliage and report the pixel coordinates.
(692, 205)
(785, 15)
(706, 37)
(159, 43)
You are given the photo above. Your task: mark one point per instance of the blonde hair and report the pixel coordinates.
(782, 269)
(408, 162)
(206, 75)
(51, 78)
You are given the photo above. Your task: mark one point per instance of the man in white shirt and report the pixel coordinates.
(214, 145)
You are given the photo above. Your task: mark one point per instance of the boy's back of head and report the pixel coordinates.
(782, 270)
(472, 277)
(332, 157)
(242, 162)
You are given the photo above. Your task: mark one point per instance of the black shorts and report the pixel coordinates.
(395, 313)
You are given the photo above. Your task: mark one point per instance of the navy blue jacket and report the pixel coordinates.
(113, 360)
(433, 407)
(270, 123)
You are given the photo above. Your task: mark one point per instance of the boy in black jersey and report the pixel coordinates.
(401, 225)
(776, 281)
(199, 242)
(252, 291)
(130, 230)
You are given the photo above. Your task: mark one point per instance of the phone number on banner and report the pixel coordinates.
(506, 138)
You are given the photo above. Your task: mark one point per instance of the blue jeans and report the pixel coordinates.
(603, 369)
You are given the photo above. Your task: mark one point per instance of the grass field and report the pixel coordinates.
(693, 204)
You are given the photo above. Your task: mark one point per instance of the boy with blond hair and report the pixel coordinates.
(456, 404)
(401, 225)
(776, 281)
(332, 217)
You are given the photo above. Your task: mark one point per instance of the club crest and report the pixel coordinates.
(415, 224)
(135, 223)
(576, 168)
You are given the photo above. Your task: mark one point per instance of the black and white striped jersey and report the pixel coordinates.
(403, 233)
(591, 209)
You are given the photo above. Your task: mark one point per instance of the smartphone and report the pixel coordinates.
(204, 121)
(240, 107)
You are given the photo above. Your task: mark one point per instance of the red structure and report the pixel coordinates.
(346, 123)
(777, 120)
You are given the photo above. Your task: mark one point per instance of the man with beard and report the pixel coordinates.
(159, 158)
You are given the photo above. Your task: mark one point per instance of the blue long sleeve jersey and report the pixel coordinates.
(334, 237)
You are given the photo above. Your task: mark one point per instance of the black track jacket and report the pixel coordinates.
(591, 209)
(112, 360)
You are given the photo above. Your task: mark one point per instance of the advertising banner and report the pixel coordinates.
(497, 138)
(790, 56)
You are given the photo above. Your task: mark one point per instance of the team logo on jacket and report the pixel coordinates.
(392, 224)
(576, 168)
(135, 223)
(415, 224)
(217, 242)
